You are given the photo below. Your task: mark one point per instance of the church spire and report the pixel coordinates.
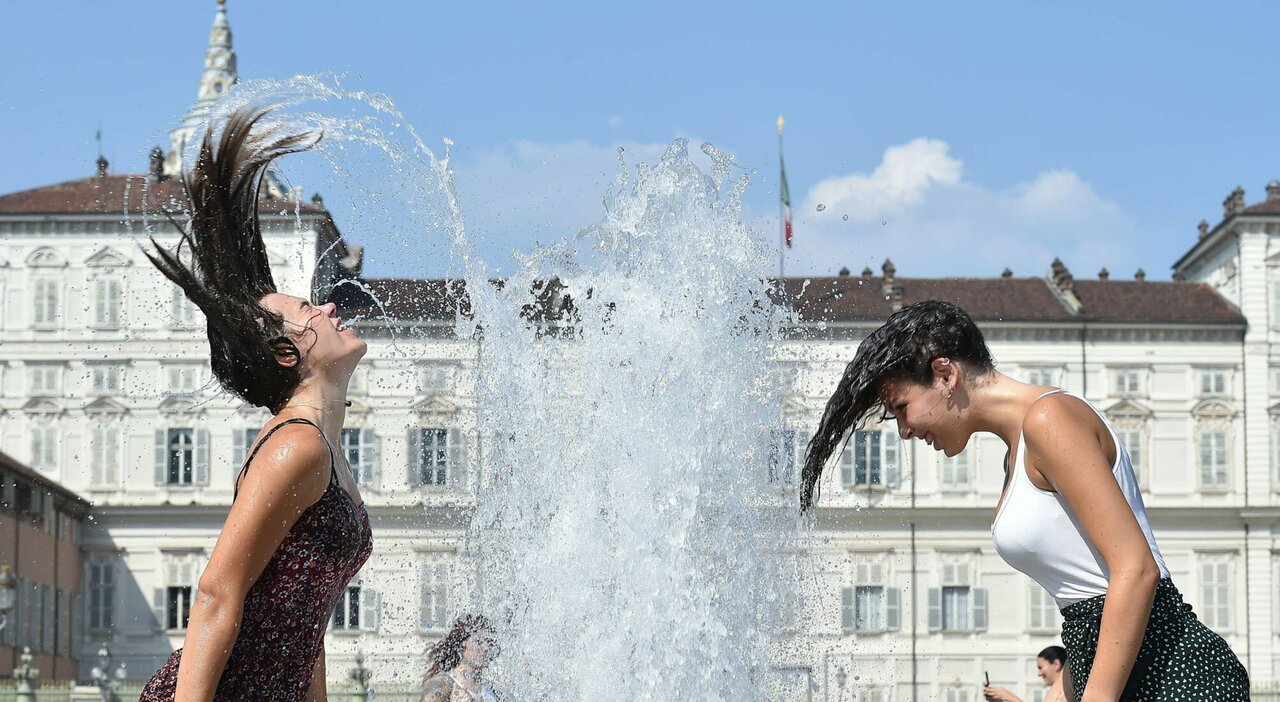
(219, 75)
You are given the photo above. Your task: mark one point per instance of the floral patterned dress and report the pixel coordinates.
(287, 610)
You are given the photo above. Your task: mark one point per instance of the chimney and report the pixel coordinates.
(1006, 273)
(888, 270)
(1140, 275)
(1273, 191)
(1104, 274)
(867, 272)
(1203, 227)
(102, 166)
(1234, 203)
(1062, 277)
(844, 272)
(317, 200)
(155, 165)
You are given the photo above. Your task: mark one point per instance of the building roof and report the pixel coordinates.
(846, 299)
(78, 505)
(119, 194)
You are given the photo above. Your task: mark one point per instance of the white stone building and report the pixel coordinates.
(105, 387)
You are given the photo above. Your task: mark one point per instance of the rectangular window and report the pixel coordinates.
(181, 450)
(44, 448)
(178, 603)
(868, 608)
(102, 595)
(104, 379)
(1126, 382)
(346, 616)
(185, 313)
(45, 379)
(1213, 458)
(1275, 304)
(104, 455)
(1213, 382)
(955, 607)
(1134, 441)
(1275, 454)
(1041, 376)
(869, 458)
(954, 472)
(438, 455)
(359, 447)
(183, 379)
(1042, 614)
(782, 456)
(957, 694)
(1275, 381)
(1215, 592)
(435, 613)
(106, 303)
(435, 378)
(46, 311)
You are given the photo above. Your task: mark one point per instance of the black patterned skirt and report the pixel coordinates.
(1180, 658)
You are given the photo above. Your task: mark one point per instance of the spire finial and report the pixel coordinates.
(218, 76)
(781, 124)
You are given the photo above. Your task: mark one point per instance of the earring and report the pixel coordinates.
(948, 393)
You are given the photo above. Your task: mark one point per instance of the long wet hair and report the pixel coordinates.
(902, 349)
(447, 653)
(229, 272)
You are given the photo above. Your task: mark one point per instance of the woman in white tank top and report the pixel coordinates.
(1070, 517)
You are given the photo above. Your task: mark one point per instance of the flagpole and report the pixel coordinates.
(782, 216)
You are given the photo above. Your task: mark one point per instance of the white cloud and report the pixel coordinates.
(916, 208)
(902, 179)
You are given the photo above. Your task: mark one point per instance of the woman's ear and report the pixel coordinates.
(286, 352)
(944, 371)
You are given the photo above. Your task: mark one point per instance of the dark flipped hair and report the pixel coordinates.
(229, 272)
(1054, 654)
(901, 349)
(447, 653)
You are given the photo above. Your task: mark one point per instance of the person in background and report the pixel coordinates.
(458, 661)
(1049, 666)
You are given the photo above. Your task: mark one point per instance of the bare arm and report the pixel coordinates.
(999, 694)
(290, 474)
(1063, 444)
(438, 689)
(319, 690)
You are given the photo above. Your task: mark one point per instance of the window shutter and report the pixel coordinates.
(202, 457)
(368, 456)
(979, 609)
(413, 455)
(238, 449)
(893, 609)
(160, 608)
(370, 608)
(162, 463)
(457, 456)
(892, 472)
(935, 609)
(846, 609)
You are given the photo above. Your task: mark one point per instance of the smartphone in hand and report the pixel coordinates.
(987, 678)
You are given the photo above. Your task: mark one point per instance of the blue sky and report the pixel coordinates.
(958, 138)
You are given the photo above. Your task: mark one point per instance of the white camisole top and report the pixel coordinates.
(1036, 533)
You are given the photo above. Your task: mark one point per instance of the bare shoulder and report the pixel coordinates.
(293, 458)
(1059, 415)
(438, 689)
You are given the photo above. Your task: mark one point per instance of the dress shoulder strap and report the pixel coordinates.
(333, 475)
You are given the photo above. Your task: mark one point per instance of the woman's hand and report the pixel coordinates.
(998, 694)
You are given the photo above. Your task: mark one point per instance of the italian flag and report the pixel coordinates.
(786, 203)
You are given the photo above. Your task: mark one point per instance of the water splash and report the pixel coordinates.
(626, 539)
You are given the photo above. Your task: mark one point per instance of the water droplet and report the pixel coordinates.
(846, 218)
(821, 207)
(883, 222)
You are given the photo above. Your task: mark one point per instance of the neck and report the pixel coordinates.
(998, 404)
(321, 402)
(468, 671)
